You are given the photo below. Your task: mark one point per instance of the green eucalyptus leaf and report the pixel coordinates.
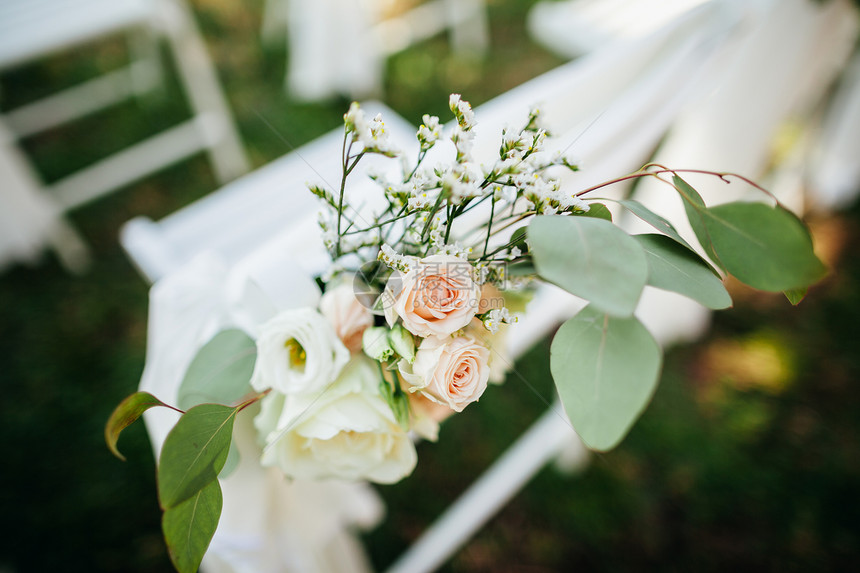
(591, 258)
(606, 370)
(232, 461)
(597, 211)
(654, 220)
(189, 526)
(220, 371)
(518, 239)
(674, 267)
(194, 452)
(766, 247)
(520, 268)
(125, 414)
(796, 295)
(695, 208)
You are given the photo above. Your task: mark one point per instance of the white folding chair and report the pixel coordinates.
(613, 107)
(340, 46)
(234, 220)
(31, 30)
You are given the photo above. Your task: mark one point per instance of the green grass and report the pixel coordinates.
(722, 472)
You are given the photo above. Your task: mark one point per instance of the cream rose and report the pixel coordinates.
(450, 371)
(298, 351)
(435, 298)
(347, 315)
(346, 431)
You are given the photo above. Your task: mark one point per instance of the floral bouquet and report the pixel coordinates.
(415, 305)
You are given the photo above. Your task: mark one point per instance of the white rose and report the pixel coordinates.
(450, 371)
(298, 351)
(347, 314)
(347, 431)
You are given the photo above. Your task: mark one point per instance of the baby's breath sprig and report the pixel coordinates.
(425, 204)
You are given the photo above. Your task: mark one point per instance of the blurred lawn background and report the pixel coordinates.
(748, 457)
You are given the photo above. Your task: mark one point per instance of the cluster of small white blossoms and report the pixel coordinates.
(462, 181)
(493, 319)
(328, 235)
(370, 133)
(424, 203)
(462, 134)
(544, 195)
(438, 245)
(396, 261)
(429, 132)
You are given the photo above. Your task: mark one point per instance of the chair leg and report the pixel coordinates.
(531, 452)
(30, 220)
(274, 24)
(147, 73)
(469, 29)
(71, 249)
(201, 86)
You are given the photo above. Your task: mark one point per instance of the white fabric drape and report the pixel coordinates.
(775, 70)
(267, 523)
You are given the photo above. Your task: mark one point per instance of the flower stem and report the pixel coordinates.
(253, 399)
(643, 172)
(489, 227)
(345, 160)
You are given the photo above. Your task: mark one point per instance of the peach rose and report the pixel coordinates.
(426, 416)
(500, 360)
(437, 297)
(347, 315)
(450, 371)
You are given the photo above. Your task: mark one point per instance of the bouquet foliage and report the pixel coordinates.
(411, 322)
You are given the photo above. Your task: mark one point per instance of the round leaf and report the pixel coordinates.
(598, 211)
(673, 267)
(188, 527)
(194, 452)
(606, 370)
(221, 370)
(694, 207)
(765, 247)
(591, 258)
